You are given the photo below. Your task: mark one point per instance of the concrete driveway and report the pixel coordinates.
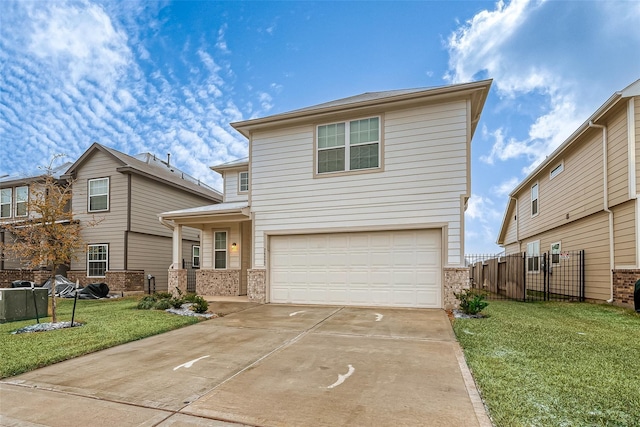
(263, 365)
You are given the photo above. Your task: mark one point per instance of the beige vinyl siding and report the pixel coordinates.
(624, 234)
(424, 156)
(591, 234)
(113, 223)
(511, 235)
(636, 131)
(158, 264)
(577, 191)
(231, 187)
(150, 198)
(617, 152)
(512, 248)
(245, 251)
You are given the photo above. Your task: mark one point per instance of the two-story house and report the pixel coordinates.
(584, 196)
(14, 198)
(358, 201)
(123, 194)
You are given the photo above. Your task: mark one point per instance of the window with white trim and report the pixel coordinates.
(348, 146)
(195, 256)
(534, 199)
(97, 260)
(5, 202)
(98, 194)
(22, 195)
(243, 182)
(220, 250)
(556, 248)
(533, 256)
(556, 171)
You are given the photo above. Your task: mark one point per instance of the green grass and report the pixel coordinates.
(107, 323)
(555, 364)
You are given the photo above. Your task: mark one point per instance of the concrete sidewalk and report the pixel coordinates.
(266, 365)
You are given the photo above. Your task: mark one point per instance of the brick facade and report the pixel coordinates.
(177, 280)
(218, 282)
(455, 280)
(119, 281)
(257, 286)
(623, 286)
(8, 276)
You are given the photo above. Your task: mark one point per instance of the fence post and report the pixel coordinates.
(582, 296)
(545, 277)
(524, 276)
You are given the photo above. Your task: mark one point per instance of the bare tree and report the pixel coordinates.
(49, 236)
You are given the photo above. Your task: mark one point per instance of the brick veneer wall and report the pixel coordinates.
(118, 281)
(455, 280)
(623, 286)
(218, 282)
(8, 276)
(257, 286)
(177, 279)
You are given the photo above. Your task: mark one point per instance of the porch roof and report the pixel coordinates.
(208, 212)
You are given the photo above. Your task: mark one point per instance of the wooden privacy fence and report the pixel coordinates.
(546, 277)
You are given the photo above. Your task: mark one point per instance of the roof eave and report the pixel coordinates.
(245, 127)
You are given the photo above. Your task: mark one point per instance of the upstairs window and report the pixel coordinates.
(98, 194)
(22, 195)
(220, 250)
(243, 182)
(534, 199)
(533, 257)
(5, 203)
(97, 260)
(348, 146)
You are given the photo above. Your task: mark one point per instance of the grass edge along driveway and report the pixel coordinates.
(555, 364)
(107, 323)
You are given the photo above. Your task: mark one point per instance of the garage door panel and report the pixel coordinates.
(395, 268)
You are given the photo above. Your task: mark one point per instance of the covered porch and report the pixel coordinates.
(223, 258)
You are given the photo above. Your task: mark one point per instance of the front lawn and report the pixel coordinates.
(106, 323)
(555, 364)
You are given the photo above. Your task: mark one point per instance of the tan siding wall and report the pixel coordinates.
(636, 127)
(150, 198)
(592, 235)
(425, 174)
(511, 235)
(231, 188)
(624, 234)
(113, 223)
(576, 191)
(158, 264)
(513, 248)
(617, 152)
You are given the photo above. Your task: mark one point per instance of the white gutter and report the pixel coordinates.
(169, 224)
(606, 202)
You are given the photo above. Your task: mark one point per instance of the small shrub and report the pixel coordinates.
(162, 295)
(162, 304)
(199, 304)
(176, 302)
(190, 297)
(471, 301)
(147, 302)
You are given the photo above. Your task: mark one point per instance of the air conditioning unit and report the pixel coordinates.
(19, 303)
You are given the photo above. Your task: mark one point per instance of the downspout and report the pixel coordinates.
(606, 202)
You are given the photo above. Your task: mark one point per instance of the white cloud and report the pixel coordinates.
(481, 209)
(505, 187)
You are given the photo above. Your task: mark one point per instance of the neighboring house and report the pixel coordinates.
(585, 196)
(358, 201)
(124, 194)
(14, 197)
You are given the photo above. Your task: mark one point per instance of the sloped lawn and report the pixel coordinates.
(555, 364)
(107, 323)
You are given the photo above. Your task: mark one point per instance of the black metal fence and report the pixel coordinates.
(191, 276)
(546, 277)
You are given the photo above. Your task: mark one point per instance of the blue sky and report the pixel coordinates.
(169, 77)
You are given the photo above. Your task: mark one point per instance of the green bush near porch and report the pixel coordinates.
(106, 323)
(555, 364)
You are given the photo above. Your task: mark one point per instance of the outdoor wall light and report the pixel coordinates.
(234, 247)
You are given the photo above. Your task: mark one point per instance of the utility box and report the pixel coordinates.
(23, 303)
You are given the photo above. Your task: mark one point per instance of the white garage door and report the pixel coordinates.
(390, 268)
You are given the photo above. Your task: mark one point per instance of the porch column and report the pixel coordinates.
(177, 247)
